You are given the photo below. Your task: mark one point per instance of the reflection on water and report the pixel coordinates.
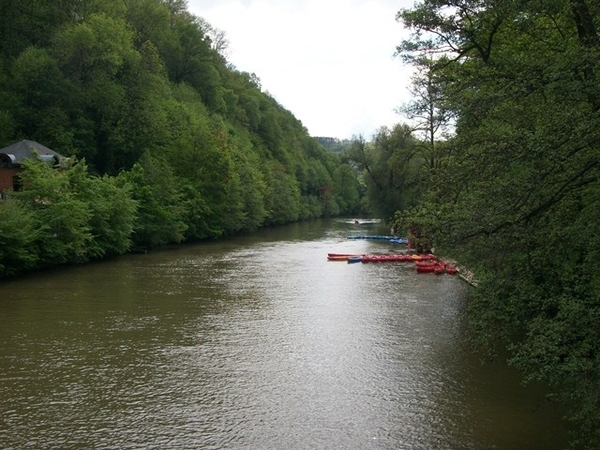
(254, 342)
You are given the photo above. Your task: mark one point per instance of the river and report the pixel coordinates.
(255, 342)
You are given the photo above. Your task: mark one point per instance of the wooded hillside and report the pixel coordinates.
(140, 93)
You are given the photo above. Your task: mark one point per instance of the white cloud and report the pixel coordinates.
(329, 62)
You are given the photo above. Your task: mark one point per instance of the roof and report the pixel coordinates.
(14, 155)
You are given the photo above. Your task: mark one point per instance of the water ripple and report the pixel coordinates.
(258, 343)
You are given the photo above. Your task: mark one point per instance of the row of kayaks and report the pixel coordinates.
(380, 258)
(373, 237)
(426, 263)
(436, 266)
(391, 239)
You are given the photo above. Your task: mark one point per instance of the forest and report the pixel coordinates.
(167, 141)
(504, 177)
(497, 165)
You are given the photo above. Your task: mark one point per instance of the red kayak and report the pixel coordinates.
(426, 263)
(451, 270)
(421, 257)
(340, 256)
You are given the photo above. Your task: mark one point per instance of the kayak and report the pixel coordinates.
(425, 263)
(423, 257)
(340, 256)
(438, 267)
(451, 270)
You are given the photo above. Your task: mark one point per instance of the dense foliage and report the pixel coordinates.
(174, 144)
(516, 191)
(64, 216)
(393, 169)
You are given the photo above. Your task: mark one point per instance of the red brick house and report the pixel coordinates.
(12, 158)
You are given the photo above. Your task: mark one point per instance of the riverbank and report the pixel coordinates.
(467, 275)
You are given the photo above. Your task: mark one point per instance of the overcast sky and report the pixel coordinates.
(329, 62)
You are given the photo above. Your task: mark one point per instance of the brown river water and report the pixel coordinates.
(255, 342)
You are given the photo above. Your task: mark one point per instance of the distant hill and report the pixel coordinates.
(334, 145)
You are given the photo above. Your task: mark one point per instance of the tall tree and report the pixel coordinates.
(522, 181)
(393, 169)
(427, 113)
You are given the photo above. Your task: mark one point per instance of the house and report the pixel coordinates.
(13, 157)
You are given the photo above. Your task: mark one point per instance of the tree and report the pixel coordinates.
(218, 38)
(61, 218)
(38, 92)
(18, 235)
(347, 189)
(283, 200)
(160, 217)
(113, 212)
(392, 169)
(521, 181)
(95, 54)
(427, 113)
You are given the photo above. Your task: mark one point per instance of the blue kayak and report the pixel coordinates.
(354, 259)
